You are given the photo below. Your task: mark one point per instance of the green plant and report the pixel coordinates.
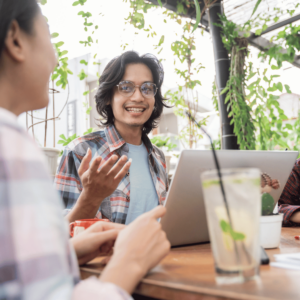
(66, 141)
(163, 142)
(256, 114)
(267, 204)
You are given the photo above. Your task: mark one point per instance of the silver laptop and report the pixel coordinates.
(185, 220)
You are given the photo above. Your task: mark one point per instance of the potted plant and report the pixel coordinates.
(166, 146)
(270, 222)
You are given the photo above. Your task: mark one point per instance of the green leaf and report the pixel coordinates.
(54, 35)
(159, 2)
(162, 39)
(64, 53)
(59, 44)
(258, 31)
(287, 88)
(43, 2)
(73, 137)
(84, 62)
(75, 3)
(88, 111)
(54, 76)
(279, 86)
(255, 7)
(198, 15)
(273, 67)
(86, 93)
(63, 137)
(237, 236)
(90, 130)
(82, 75)
(225, 226)
(289, 126)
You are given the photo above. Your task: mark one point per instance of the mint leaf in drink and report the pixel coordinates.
(237, 236)
(226, 228)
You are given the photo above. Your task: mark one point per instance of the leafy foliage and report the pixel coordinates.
(66, 141)
(287, 39)
(163, 142)
(61, 71)
(256, 114)
(215, 96)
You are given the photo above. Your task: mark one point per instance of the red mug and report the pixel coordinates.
(79, 226)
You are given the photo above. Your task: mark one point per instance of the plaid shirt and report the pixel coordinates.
(37, 261)
(289, 201)
(106, 143)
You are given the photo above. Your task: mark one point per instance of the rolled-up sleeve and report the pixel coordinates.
(289, 201)
(94, 289)
(67, 181)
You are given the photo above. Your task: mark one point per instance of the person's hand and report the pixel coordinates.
(102, 181)
(99, 181)
(138, 248)
(97, 240)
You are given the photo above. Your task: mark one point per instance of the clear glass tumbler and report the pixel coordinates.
(234, 224)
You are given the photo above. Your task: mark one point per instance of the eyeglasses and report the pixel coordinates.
(147, 89)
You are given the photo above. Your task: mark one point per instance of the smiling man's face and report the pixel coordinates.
(134, 110)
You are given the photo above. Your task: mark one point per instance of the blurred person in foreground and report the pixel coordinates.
(130, 102)
(37, 258)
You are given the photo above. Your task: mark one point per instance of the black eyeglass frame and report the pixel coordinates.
(139, 86)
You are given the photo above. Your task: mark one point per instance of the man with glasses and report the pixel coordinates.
(94, 178)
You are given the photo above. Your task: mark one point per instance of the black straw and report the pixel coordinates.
(219, 175)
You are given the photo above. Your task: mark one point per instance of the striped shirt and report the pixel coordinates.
(106, 143)
(37, 260)
(289, 201)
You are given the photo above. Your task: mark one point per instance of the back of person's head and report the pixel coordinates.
(27, 57)
(113, 74)
(22, 11)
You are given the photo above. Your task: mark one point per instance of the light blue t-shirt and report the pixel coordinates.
(143, 196)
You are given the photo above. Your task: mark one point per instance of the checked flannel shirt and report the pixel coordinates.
(289, 201)
(106, 143)
(37, 260)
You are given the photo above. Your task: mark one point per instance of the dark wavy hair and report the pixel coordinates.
(113, 74)
(23, 11)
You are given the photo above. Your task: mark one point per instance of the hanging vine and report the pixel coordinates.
(256, 113)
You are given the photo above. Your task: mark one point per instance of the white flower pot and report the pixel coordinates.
(52, 155)
(168, 159)
(270, 231)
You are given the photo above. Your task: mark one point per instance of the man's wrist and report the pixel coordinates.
(88, 202)
(85, 208)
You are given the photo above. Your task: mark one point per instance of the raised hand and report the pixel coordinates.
(138, 248)
(99, 180)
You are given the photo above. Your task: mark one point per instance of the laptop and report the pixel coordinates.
(185, 220)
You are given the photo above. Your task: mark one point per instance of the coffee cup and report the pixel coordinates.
(79, 226)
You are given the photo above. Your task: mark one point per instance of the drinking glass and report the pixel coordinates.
(234, 223)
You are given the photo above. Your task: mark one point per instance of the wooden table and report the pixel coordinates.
(188, 273)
